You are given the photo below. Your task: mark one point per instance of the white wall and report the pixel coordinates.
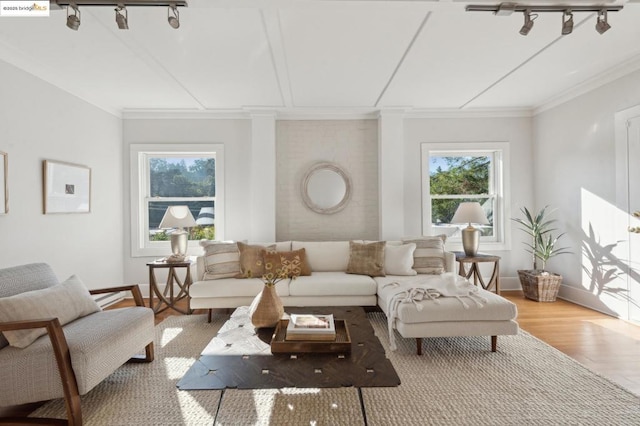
(38, 122)
(352, 145)
(516, 132)
(574, 157)
(236, 137)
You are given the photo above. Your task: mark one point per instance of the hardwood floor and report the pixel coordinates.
(606, 345)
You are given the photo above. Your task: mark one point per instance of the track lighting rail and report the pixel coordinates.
(126, 3)
(508, 8)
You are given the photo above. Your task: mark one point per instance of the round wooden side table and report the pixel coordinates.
(168, 298)
(474, 269)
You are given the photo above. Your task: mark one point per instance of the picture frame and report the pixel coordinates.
(66, 187)
(4, 187)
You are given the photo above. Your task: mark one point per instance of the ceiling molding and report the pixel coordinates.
(322, 113)
(273, 33)
(470, 113)
(178, 114)
(404, 56)
(328, 114)
(587, 86)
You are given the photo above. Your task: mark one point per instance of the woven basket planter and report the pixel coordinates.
(541, 288)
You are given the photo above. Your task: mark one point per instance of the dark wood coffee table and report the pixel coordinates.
(366, 365)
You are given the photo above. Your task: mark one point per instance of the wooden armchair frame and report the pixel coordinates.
(63, 359)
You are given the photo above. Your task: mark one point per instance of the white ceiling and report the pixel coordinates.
(322, 55)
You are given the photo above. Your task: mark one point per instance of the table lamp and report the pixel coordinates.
(178, 217)
(470, 212)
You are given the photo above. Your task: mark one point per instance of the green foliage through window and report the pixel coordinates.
(174, 177)
(190, 179)
(457, 178)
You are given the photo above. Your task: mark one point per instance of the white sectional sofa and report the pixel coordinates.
(330, 285)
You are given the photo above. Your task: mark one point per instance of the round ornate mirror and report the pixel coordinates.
(326, 188)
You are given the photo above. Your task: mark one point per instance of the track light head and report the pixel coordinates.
(174, 19)
(601, 24)
(567, 22)
(122, 20)
(73, 21)
(528, 22)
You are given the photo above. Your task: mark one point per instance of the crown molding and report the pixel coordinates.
(338, 113)
(186, 114)
(591, 84)
(357, 113)
(469, 113)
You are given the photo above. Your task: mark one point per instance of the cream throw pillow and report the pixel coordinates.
(366, 259)
(398, 260)
(66, 301)
(221, 259)
(428, 258)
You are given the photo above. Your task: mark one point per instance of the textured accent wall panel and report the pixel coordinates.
(352, 145)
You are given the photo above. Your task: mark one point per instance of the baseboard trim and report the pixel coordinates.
(583, 297)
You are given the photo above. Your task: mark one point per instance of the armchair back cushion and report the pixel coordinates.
(18, 279)
(66, 301)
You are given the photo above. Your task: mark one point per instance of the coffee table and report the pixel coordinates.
(251, 365)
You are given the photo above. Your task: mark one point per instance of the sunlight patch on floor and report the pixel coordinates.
(191, 409)
(168, 335)
(177, 367)
(264, 400)
(624, 328)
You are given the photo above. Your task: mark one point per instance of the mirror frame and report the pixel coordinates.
(305, 186)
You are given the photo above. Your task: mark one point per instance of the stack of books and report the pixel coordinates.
(311, 327)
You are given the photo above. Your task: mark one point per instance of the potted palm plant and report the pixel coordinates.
(539, 284)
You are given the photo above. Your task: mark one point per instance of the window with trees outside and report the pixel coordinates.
(169, 175)
(458, 172)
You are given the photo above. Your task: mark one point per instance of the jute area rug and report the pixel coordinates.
(458, 381)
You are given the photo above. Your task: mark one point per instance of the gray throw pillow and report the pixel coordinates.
(66, 301)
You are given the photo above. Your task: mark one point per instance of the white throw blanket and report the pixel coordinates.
(429, 288)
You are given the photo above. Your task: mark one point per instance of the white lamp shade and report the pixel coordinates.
(470, 212)
(177, 217)
(206, 216)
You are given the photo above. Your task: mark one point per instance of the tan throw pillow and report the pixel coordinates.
(273, 261)
(428, 258)
(66, 301)
(366, 259)
(398, 259)
(251, 262)
(221, 259)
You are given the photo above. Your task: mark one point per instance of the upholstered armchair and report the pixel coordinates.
(57, 343)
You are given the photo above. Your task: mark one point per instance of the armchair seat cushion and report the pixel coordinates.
(96, 352)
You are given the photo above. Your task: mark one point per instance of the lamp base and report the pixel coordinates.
(179, 240)
(470, 241)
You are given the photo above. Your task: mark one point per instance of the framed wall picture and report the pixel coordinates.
(67, 187)
(4, 188)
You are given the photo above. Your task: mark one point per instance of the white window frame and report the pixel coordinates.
(140, 193)
(499, 185)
